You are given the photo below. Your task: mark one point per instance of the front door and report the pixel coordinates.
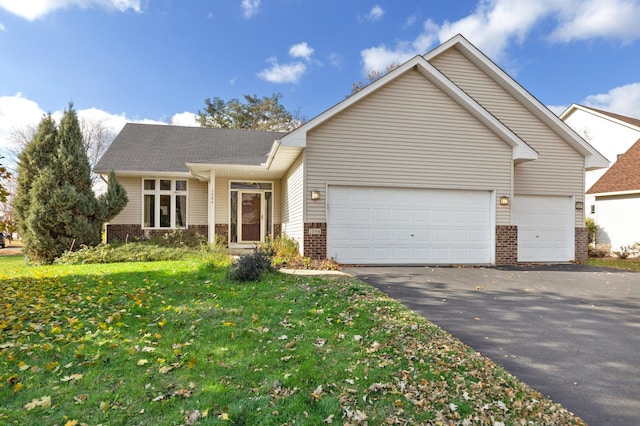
(250, 223)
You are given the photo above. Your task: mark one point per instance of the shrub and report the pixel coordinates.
(625, 251)
(180, 237)
(250, 267)
(134, 252)
(283, 249)
(592, 228)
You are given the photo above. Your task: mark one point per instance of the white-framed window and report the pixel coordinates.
(164, 203)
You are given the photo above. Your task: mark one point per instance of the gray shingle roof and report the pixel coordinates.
(160, 148)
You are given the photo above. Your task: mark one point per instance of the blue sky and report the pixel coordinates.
(157, 60)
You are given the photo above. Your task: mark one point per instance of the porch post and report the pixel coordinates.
(212, 207)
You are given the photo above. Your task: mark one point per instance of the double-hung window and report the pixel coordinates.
(165, 203)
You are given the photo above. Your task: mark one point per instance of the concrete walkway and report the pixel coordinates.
(570, 331)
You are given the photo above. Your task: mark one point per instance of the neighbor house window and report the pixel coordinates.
(164, 203)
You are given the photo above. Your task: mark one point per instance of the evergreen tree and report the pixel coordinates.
(56, 208)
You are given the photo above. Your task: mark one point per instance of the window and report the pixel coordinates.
(165, 203)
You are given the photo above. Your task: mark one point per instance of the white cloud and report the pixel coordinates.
(250, 8)
(495, 24)
(612, 19)
(283, 73)
(2, 27)
(16, 112)
(375, 14)
(33, 9)
(624, 100)
(184, 119)
(291, 72)
(301, 50)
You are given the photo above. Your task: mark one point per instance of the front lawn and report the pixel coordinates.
(168, 343)
(609, 262)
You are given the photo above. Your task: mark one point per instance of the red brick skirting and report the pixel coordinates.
(506, 245)
(315, 240)
(582, 243)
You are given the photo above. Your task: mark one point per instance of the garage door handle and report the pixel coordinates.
(412, 235)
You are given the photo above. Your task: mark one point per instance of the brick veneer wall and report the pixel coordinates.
(582, 243)
(315, 245)
(506, 245)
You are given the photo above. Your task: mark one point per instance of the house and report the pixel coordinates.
(444, 160)
(617, 200)
(612, 135)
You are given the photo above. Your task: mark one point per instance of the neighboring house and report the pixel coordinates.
(617, 200)
(611, 134)
(609, 203)
(444, 160)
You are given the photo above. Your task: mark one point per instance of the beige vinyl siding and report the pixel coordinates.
(406, 134)
(131, 214)
(559, 170)
(197, 199)
(293, 202)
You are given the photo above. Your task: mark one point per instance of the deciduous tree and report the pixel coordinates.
(255, 113)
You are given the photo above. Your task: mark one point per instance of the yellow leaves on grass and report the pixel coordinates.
(44, 402)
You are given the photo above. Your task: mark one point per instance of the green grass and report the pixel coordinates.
(175, 342)
(627, 264)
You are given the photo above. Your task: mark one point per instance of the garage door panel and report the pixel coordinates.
(409, 226)
(545, 228)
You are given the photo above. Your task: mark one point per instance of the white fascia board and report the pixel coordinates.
(611, 194)
(593, 159)
(272, 153)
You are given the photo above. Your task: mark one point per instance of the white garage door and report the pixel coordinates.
(546, 229)
(409, 226)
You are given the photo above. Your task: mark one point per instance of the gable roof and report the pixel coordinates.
(623, 176)
(521, 150)
(161, 148)
(618, 118)
(593, 159)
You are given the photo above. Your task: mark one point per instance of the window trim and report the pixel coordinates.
(157, 193)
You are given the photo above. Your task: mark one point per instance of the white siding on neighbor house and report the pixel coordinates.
(559, 170)
(617, 219)
(611, 138)
(197, 209)
(131, 214)
(406, 134)
(293, 202)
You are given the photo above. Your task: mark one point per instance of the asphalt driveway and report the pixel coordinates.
(570, 331)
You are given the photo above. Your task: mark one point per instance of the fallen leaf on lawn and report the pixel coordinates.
(80, 399)
(73, 377)
(225, 417)
(104, 405)
(320, 342)
(17, 387)
(357, 337)
(164, 370)
(148, 349)
(317, 394)
(192, 417)
(44, 402)
(142, 361)
(329, 419)
(283, 337)
(191, 363)
(71, 423)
